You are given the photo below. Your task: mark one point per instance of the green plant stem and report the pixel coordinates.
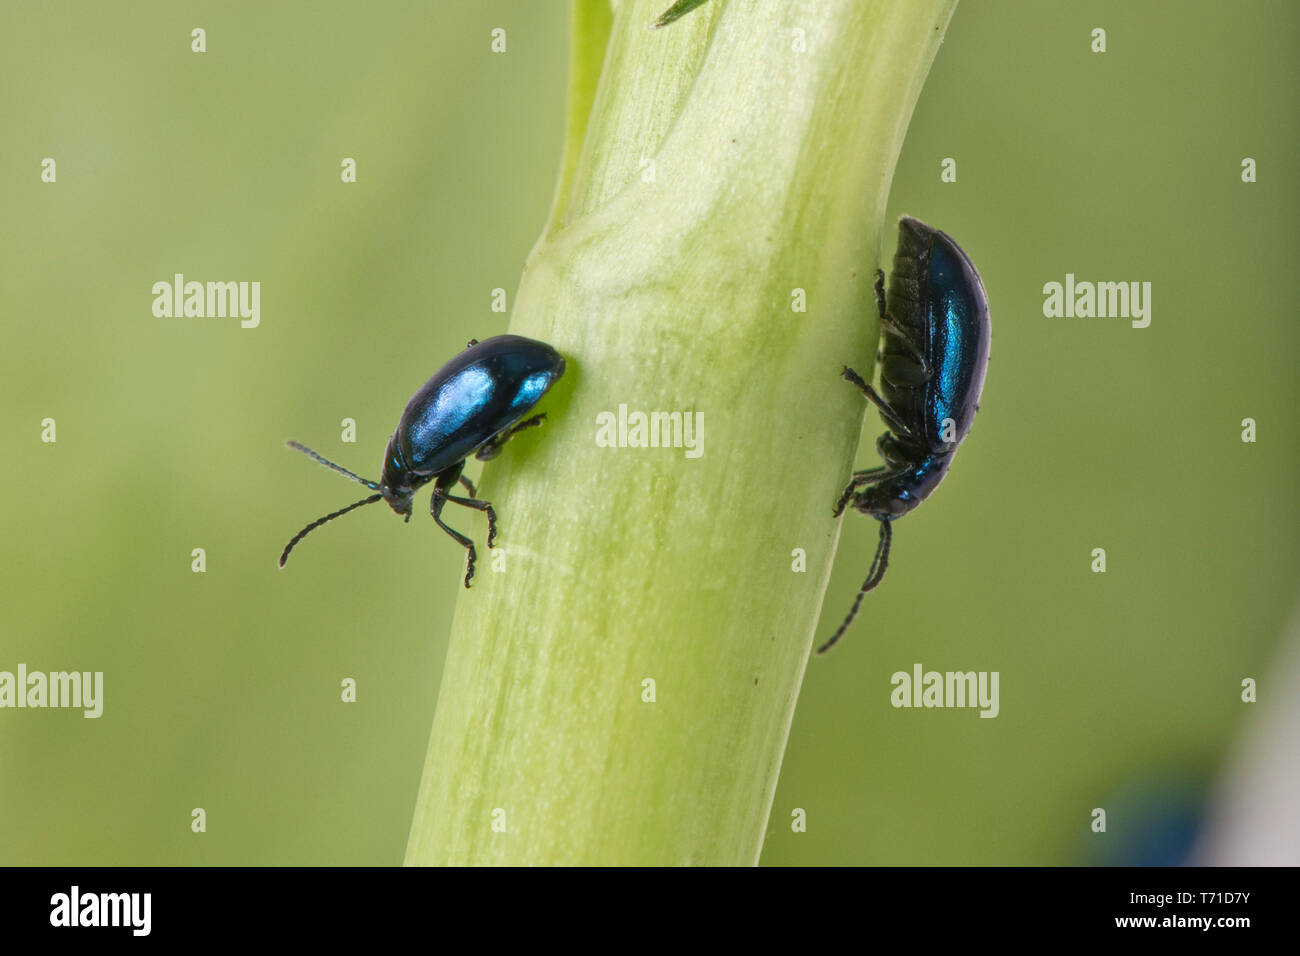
(668, 284)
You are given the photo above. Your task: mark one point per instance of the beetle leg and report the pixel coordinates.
(492, 447)
(474, 501)
(902, 370)
(872, 476)
(897, 458)
(913, 350)
(440, 498)
(859, 478)
(888, 414)
(479, 505)
(526, 423)
(855, 378)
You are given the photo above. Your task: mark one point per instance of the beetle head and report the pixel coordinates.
(885, 501)
(399, 499)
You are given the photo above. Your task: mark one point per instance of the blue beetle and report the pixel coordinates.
(936, 332)
(471, 406)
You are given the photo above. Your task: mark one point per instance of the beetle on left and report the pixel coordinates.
(471, 406)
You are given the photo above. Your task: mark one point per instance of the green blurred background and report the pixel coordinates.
(1118, 690)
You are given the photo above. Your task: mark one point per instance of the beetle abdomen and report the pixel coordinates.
(938, 303)
(959, 324)
(481, 392)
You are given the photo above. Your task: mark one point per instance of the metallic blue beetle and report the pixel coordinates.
(935, 325)
(471, 406)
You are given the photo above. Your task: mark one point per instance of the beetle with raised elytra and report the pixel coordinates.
(471, 406)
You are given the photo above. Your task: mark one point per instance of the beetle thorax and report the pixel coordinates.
(397, 483)
(899, 494)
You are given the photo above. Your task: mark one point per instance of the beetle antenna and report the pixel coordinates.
(873, 578)
(373, 486)
(284, 555)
